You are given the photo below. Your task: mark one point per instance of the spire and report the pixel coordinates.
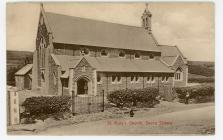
(146, 19)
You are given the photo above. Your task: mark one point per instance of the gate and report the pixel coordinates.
(83, 104)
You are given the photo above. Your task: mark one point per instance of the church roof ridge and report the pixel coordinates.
(97, 20)
(90, 32)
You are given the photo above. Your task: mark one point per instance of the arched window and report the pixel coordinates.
(137, 79)
(178, 75)
(163, 79)
(42, 47)
(151, 56)
(137, 55)
(85, 51)
(122, 54)
(43, 76)
(98, 79)
(119, 79)
(150, 79)
(113, 79)
(132, 79)
(104, 53)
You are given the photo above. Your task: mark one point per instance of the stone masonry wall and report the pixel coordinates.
(83, 70)
(180, 64)
(107, 85)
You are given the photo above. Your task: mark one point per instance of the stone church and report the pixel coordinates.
(88, 57)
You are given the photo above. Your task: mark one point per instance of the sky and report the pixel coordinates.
(190, 26)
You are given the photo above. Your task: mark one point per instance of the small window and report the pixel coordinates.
(151, 56)
(148, 79)
(137, 79)
(137, 55)
(43, 76)
(167, 79)
(163, 78)
(178, 75)
(113, 78)
(132, 79)
(98, 78)
(119, 79)
(104, 53)
(65, 82)
(152, 79)
(85, 51)
(122, 54)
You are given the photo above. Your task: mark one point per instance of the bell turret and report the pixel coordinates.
(146, 19)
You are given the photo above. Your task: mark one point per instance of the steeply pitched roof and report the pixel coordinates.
(169, 59)
(170, 51)
(65, 61)
(106, 64)
(75, 30)
(126, 65)
(24, 70)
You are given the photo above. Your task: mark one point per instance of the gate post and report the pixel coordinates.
(73, 103)
(103, 103)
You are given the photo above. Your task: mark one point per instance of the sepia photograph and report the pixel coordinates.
(110, 69)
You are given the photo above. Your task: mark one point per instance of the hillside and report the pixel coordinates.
(16, 58)
(15, 61)
(202, 68)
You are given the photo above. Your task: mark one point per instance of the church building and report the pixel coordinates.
(88, 57)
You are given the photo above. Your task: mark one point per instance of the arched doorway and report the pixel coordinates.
(82, 86)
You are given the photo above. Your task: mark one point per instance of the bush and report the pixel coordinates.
(44, 106)
(137, 97)
(199, 94)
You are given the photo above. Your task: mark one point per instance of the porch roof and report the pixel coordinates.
(24, 70)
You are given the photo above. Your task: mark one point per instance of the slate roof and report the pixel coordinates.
(24, 70)
(170, 51)
(106, 64)
(66, 61)
(169, 59)
(82, 31)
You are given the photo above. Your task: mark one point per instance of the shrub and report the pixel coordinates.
(138, 97)
(199, 94)
(44, 106)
